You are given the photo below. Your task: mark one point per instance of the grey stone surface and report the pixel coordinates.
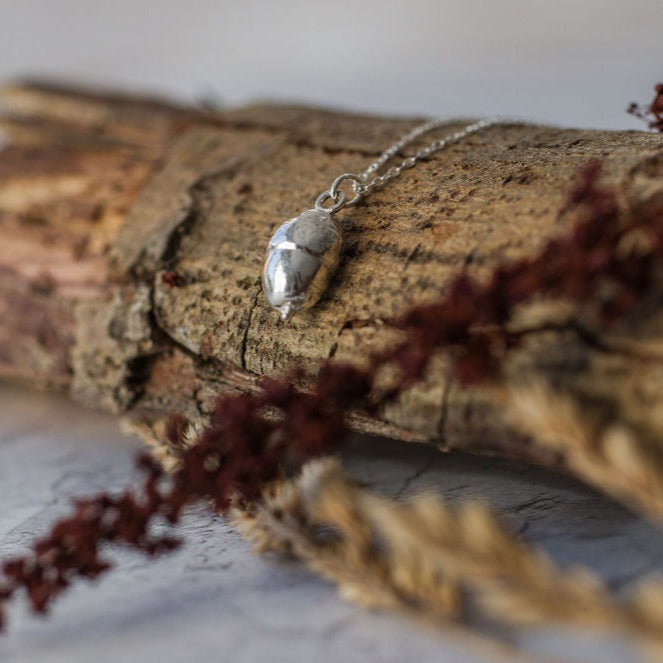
(213, 600)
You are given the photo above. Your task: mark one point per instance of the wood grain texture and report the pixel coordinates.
(134, 233)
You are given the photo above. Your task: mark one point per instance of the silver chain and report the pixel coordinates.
(369, 179)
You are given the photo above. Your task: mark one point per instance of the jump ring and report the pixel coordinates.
(356, 183)
(338, 201)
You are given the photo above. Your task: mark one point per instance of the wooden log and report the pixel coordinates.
(133, 235)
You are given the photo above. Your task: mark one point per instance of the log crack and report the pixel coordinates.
(247, 328)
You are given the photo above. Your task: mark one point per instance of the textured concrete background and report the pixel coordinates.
(569, 62)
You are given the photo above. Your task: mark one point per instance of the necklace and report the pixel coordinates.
(305, 251)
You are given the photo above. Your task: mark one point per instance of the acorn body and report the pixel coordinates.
(302, 256)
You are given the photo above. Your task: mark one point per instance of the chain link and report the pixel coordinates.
(369, 179)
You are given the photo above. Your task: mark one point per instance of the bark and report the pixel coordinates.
(133, 235)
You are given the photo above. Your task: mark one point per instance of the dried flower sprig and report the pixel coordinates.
(612, 456)
(651, 113)
(316, 517)
(72, 549)
(428, 558)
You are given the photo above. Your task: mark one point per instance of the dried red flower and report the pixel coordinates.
(652, 113)
(173, 279)
(72, 548)
(578, 266)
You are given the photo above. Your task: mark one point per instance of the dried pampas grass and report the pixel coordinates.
(615, 457)
(429, 559)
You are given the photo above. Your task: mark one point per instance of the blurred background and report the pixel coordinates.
(565, 62)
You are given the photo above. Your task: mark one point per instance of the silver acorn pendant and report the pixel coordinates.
(305, 251)
(301, 259)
